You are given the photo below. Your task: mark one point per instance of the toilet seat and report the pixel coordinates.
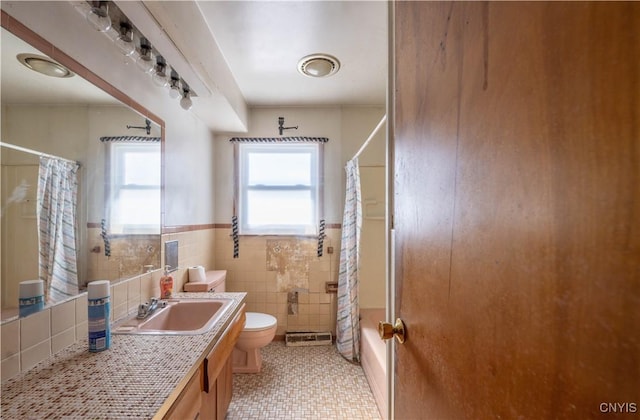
(259, 322)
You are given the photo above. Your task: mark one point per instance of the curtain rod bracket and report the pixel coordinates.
(146, 127)
(281, 126)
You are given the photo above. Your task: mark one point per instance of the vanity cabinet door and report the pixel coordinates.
(218, 375)
(188, 404)
(224, 388)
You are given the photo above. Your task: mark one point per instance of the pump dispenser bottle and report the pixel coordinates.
(166, 284)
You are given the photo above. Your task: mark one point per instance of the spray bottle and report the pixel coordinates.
(166, 284)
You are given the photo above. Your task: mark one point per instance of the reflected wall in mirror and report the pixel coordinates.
(118, 208)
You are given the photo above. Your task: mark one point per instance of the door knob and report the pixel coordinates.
(386, 330)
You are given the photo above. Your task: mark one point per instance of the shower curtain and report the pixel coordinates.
(56, 214)
(348, 324)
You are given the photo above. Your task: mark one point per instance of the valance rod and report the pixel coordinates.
(139, 139)
(373, 133)
(279, 140)
(35, 152)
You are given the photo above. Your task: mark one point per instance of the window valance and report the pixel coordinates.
(279, 140)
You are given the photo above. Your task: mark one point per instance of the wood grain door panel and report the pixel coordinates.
(516, 144)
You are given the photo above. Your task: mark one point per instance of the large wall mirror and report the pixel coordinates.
(119, 162)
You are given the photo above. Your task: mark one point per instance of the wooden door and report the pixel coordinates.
(516, 200)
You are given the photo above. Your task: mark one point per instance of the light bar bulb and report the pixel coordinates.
(98, 17)
(186, 103)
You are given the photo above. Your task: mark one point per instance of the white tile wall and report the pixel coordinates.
(133, 294)
(35, 329)
(34, 355)
(63, 339)
(10, 367)
(10, 339)
(119, 303)
(63, 317)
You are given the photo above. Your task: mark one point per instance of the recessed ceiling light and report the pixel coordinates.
(318, 65)
(44, 65)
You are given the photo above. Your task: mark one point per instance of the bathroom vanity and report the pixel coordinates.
(208, 392)
(140, 376)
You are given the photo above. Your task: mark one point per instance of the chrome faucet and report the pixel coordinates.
(146, 309)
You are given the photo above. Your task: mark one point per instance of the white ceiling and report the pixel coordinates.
(23, 86)
(262, 42)
(244, 52)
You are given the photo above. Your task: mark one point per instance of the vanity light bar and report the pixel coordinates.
(146, 23)
(147, 50)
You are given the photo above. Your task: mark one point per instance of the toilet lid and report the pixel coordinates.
(258, 322)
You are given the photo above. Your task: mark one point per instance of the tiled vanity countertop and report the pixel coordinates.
(135, 378)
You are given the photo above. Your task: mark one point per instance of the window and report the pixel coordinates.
(278, 188)
(134, 190)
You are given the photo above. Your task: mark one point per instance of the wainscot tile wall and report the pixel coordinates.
(28, 341)
(275, 271)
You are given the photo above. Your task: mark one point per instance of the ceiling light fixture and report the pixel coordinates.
(318, 65)
(124, 41)
(145, 61)
(186, 103)
(44, 65)
(98, 16)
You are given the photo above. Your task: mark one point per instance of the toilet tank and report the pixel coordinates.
(215, 281)
(220, 286)
(218, 280)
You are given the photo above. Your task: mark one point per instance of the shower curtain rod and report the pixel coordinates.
(373, 133)
(35, 152)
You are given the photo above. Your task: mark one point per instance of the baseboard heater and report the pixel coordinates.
(308, 339)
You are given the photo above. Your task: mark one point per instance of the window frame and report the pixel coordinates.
(241, 190)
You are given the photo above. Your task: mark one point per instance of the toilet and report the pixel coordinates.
(259, 328)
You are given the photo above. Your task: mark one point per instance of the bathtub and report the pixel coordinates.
(373, 355)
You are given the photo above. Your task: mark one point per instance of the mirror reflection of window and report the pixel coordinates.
(134, 190)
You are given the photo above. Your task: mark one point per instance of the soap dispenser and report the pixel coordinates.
(166, 284)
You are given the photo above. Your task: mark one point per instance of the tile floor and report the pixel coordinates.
(301, 383)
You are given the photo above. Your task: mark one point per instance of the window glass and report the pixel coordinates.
(278, 188)
(134, 190)
(279, 168)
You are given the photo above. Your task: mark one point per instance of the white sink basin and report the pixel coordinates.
(179, 317)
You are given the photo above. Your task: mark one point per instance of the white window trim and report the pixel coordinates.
(317, 177)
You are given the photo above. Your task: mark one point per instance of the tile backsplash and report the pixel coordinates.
(27, 341)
